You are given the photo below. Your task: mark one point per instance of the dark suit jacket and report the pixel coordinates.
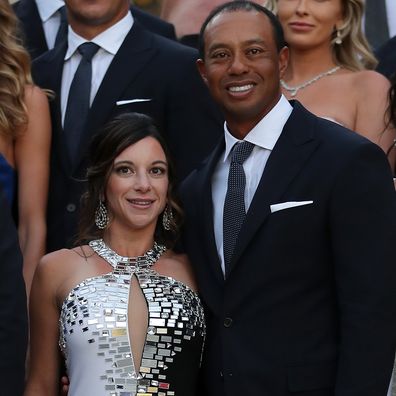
(309, 306)
(13, 316)
(387, 58)
(33, 32)
(146, 66)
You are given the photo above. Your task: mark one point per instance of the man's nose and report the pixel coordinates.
(238, 65)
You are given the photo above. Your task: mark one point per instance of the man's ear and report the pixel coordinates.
(283, 60)
(202, 70)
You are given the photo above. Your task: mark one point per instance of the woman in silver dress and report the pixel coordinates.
(122, 305)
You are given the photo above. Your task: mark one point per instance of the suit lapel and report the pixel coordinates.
(34, 34)
(52, 69)
(133, 55)
(205, 212)
(290, 154)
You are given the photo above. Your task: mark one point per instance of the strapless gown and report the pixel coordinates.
(7, 179)
(96, 342)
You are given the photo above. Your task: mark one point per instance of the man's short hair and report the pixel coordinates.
(242, 5)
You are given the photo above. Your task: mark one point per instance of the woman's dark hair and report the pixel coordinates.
(242, 5)
(120, 133)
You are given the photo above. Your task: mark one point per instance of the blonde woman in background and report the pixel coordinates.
(330, 66)
(24, 142)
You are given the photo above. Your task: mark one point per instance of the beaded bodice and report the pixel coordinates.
(95, 338)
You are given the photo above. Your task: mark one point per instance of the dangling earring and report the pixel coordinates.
(338, 39)
(167, 218)
(101, 216)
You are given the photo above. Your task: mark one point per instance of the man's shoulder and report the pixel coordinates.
(336, 146)
(154, 23)
(165, 46)
(327, 131)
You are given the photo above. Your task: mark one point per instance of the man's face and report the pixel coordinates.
(242, 66)
(96, 13)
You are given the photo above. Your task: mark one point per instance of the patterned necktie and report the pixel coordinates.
(234, 204)
(78, 102)
(376, 23)
(62, 31)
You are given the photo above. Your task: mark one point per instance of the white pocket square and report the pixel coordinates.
(124, 102)
(287, 205)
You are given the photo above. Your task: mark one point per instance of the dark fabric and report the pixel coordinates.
(234, 203)
(78, 100)
(386, 56)
(146, 66)
(13, 315)
(7, 180)
(376, 23)
(33, 32)
(62, 31)
(190, 39)
(309, 305)
(154, 24)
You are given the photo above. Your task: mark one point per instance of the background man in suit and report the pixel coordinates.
(44, 24)
(132, 70)
(292, 244)
(13, 316)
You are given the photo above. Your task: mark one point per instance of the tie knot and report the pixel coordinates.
(88, 50)
(241, 151)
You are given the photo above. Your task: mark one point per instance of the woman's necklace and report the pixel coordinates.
(294, 90)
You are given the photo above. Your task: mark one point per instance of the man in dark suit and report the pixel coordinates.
(132, 70)
(13, 316)
(292, 244)
(34, 34)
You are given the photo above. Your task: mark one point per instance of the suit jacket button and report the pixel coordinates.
(71, 207)
(227, 322)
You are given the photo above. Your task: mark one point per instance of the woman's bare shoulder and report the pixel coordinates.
(370, 81)
(55, 264)
(34, 95)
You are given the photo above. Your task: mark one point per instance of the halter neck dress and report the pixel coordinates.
(97, 344)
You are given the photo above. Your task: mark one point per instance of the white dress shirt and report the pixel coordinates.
(391, 15)
(264, 136)
(50, 18)
(109, 42)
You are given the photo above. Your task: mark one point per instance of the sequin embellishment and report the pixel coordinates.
(94, 323)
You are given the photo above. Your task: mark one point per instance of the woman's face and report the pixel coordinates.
(136, 192)
(309, 23)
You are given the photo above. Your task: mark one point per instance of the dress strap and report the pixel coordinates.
(133, 263)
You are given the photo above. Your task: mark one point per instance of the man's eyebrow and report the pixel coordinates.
(257, 40)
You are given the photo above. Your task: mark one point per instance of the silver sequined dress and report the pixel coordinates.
(95, 341)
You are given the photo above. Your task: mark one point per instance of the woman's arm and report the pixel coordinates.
(32, 148)
(43, 378)
(372, 120)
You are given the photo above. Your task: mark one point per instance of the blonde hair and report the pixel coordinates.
(14, 73)
(354, 52)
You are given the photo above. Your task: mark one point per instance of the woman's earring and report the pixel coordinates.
(167, 218)
(101, 216)
(338, 39)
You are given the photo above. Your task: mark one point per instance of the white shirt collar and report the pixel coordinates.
(110, 40)
(266, 132)
(47, 8)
